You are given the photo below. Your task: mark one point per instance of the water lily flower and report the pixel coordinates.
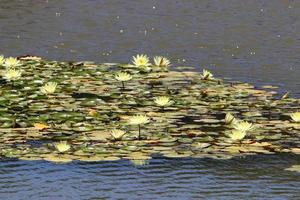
(123, 77)
(237, 134)
(11, 62)
(206, 75)
(230, 119)
(2, 59)
(139, 120)
(162, 101)
(295, 116)
(243, 126)
(161, 61)
(49, 88)
(117, 134)
(141, 60)
(12, 74)
(62, 146)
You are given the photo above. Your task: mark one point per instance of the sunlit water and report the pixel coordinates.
(254, 41)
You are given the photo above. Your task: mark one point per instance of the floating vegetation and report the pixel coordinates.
(294, 168)
(40, 126)
(184, 114)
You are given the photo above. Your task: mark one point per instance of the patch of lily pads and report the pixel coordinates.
(65, 111)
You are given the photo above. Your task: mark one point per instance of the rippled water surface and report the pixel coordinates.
(261, 177)
(254, 41)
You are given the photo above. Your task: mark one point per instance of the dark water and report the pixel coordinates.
(255, 41)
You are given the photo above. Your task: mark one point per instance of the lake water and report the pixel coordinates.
(261, 177)
(254, 41)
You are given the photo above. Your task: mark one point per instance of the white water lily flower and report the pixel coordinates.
(49, 88)
(62, 146)
(206, 75)
(162, 101)
(123, 76)
(243, 126)
(11, 62)
(230, 119)
(141, 60)
(138, 120)
(237, 135)
(2, 59)
(12, 74)
(117, 134)
(295, 116)
(161, 61)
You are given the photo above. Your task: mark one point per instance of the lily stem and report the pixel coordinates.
(123, 85)
(139, 136)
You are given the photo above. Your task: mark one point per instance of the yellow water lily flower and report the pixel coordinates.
(49, 88)
(237, 134)
(11, 62)
(2, 59)
(141, 60)
(62, 146)
(161, 61)
(243, 126)
(12, 74)
(230, 119)
(117, 134)
(295, 116)
(206, 75)
(123, 76)
(162, 101)
(138, 120)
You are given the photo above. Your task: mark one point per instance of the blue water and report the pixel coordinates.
(252, 177)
